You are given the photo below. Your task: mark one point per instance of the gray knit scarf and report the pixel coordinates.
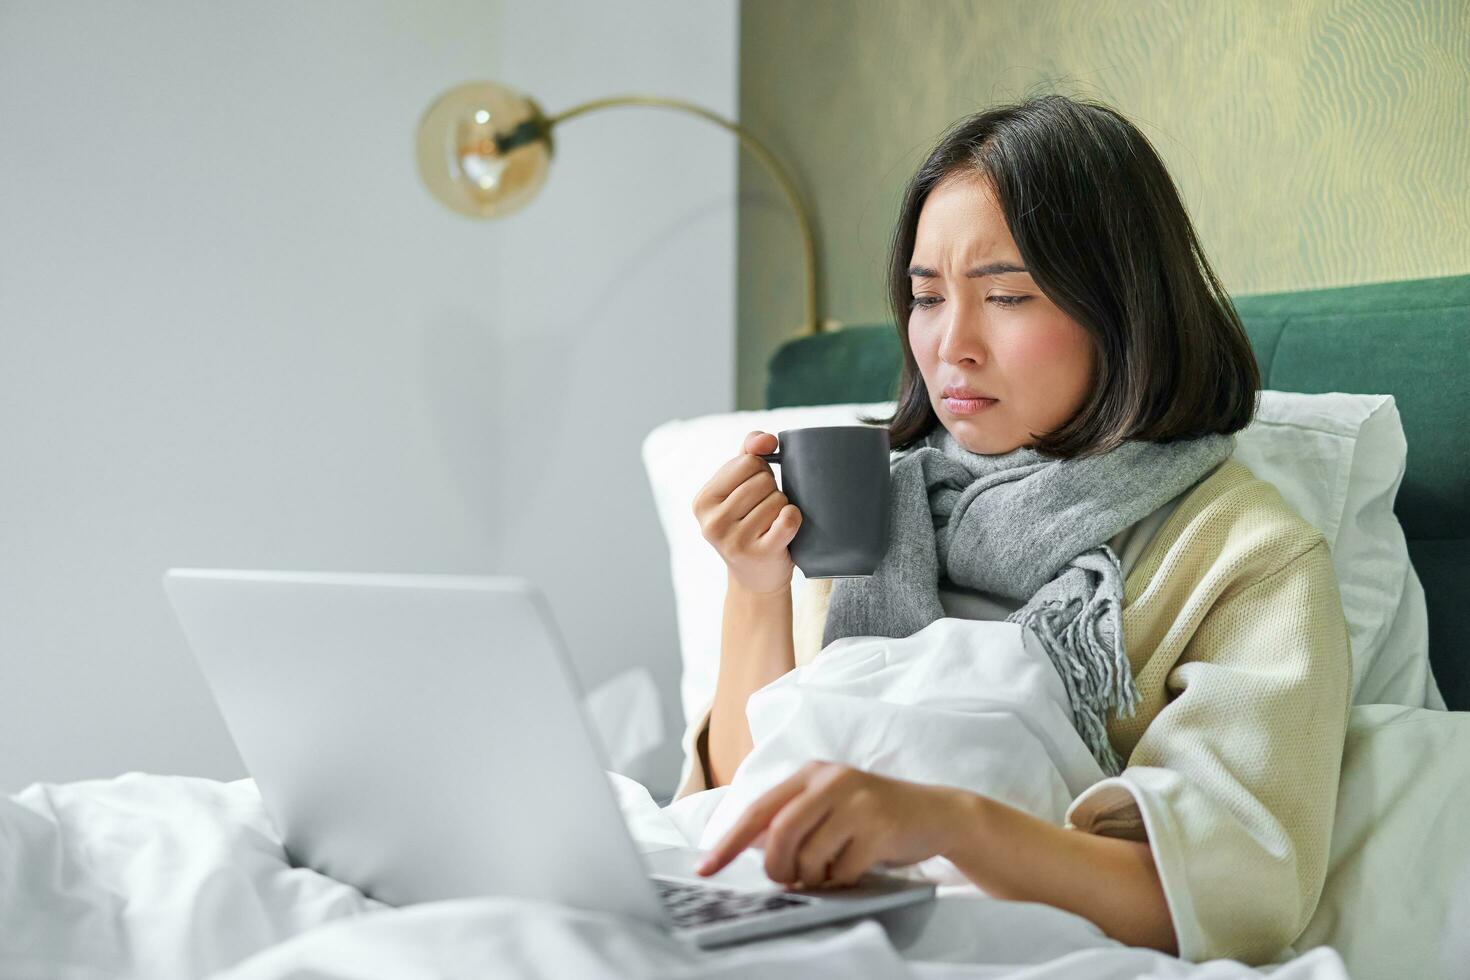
(1028, 527)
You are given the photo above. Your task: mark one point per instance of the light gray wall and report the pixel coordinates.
(236, 331)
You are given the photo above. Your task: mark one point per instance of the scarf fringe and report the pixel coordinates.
(1096, 675)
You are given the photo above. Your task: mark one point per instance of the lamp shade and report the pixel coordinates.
(484, 149)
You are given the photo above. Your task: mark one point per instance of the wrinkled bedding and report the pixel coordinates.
(969, 703)
(156, 877)
(164, 876)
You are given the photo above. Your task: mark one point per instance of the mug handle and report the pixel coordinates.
(774, 457)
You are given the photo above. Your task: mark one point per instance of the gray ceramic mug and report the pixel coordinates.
(837, 476)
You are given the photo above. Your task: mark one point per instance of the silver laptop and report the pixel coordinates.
(422, 737)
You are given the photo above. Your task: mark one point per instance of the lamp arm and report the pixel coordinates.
(813, 323)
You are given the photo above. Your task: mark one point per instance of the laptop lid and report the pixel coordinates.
(418, 736)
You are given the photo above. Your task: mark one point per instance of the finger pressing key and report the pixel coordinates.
(750, 824)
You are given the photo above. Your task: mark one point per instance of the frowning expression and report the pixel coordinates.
(978, 321)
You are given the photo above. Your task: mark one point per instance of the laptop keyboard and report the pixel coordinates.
(697, 905)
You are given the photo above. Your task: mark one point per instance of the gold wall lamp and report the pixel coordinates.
(484, 150)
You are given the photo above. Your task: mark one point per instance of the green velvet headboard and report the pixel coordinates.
(1409, 339)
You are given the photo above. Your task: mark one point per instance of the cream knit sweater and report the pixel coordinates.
(1234, 626)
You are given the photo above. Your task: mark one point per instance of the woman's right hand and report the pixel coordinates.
(748, 520)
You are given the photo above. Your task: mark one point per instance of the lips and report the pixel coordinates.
(962, 392)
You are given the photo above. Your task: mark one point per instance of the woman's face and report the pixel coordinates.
(980, 322)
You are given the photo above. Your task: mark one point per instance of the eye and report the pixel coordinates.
(925, 302)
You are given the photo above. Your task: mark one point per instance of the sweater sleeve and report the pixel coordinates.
(1234, 783)
(693, 778)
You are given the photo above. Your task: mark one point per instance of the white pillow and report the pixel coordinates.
(1397, 894)
(1338, 460)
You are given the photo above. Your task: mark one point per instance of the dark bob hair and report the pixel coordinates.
(1104, 234)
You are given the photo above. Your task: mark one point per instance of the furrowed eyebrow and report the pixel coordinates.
(989, 269)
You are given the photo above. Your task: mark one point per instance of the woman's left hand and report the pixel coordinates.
(829, 823)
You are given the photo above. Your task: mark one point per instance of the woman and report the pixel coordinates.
(1073, 372)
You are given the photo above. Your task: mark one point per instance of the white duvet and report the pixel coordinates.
(969, 703)
(160, 877)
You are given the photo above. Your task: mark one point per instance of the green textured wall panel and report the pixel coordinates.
(1315, 143)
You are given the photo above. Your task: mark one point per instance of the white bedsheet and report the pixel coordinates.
(160, 877)
(969, 703)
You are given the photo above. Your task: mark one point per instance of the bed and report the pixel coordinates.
(163, 876)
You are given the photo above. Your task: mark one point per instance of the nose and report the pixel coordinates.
(961, 341)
